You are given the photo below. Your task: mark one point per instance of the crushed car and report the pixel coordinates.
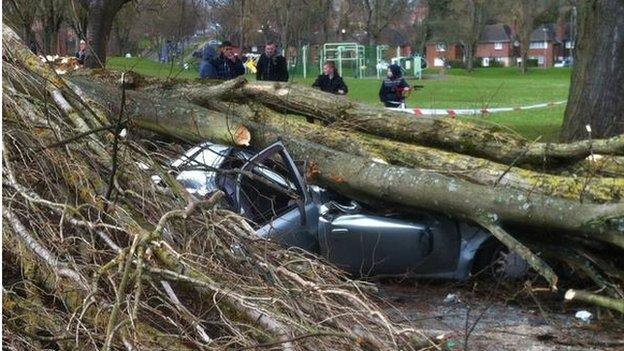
(269, 191)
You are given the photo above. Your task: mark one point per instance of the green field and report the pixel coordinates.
(486, 87)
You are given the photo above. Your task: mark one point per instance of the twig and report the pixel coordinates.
(510, 242)
(594, 299)
(116, 137)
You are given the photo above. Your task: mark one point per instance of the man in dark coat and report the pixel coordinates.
(271, 65)
(227, 65)
(330, 81)
(394, 89)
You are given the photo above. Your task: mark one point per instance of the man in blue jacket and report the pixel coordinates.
(227, 65)
(394, 88)
(206, 69)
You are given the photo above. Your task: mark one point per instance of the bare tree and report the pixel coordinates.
(434, 23)
(468, 21)
(77, 18)
(378, 15)
(52, 14)
(123, 24)
(527, 15)
(19, 15)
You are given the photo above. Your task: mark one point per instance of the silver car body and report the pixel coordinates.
(361, 241)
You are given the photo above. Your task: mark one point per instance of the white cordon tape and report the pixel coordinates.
(470, 111)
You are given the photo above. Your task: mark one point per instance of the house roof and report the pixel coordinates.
(496, 33)
(545, 32)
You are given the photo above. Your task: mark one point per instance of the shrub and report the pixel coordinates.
(495, 63)
(531, 63)
(456, 63)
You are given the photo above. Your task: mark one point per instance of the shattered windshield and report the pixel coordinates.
(198, 168)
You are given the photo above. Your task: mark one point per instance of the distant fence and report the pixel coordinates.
(471, 111)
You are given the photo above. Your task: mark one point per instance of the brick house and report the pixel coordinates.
(438, 53)
(496, 43)
(566, 34)
(549, 43)
(545, 47)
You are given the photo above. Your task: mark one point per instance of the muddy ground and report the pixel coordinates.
(499, 316)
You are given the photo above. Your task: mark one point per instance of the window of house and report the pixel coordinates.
(538, 45)
(440, 47)
(569, 44)
(498, 46)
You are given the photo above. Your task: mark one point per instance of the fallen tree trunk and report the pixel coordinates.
(476, 170)
(473, 169)
(373, 181)
(449, 134)
(212, 125)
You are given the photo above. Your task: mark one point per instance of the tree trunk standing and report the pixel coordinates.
(597, 89)
(524, 54)
(285, 19)
(53, 13)
(469, 52)
(48, 49)
(241, 38)
(100, 22)
(121, 37)
(21, 18)
(369, 22)
(78, 19)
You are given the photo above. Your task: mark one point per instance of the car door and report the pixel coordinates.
(272, 195)
(372, 245)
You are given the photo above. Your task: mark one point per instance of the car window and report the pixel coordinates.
(196, 168)
(267, 190)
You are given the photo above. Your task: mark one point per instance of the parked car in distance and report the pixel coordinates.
(565, 63)
(270, 192)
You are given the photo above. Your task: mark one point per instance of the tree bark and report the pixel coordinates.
(211, 125)
(100, 21)
(598, 76)
(469, 58)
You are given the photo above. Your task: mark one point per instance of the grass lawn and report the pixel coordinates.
(149, 68)
(486, 87)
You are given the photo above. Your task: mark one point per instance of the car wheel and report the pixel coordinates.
(509, 265)
(495, 260)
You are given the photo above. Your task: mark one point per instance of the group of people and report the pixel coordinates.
(272, 66)
(227, 65)
(394, 88)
